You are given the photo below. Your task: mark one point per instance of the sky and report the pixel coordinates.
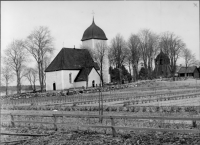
(67, 20)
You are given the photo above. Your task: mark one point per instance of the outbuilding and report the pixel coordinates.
(189, 72)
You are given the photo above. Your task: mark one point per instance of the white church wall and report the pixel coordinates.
(88, 43)
(61, 79)
(80, 84)
(54, 77)
(66, 81)
(93, 76)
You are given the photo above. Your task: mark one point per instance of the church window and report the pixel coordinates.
(54, 86)
(70, 78)
(93, 83)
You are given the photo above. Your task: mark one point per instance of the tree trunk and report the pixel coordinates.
(40, 76)
(102, 74)
(134, 77)
(136, 70)
(34, 88)
(6, 88)
(120, 75)
(146, 69)
(129, 66)
(18, 83)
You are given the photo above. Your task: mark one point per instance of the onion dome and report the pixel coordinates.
(93, 32)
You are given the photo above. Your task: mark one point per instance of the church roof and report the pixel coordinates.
(71, 59)
(164, 57)
(82, 75)
(94, 32)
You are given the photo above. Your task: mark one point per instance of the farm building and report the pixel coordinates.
(74, 68)
(189, 72)
(162, 65)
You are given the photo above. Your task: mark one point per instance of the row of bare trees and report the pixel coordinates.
(144, 47)
(141, 47)
(38, 45)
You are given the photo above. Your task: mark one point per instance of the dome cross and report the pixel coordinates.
(93, 15)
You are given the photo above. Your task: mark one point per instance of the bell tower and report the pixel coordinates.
(91, 37)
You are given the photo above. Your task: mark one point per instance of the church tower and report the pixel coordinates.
(93, 35)
(162, 65)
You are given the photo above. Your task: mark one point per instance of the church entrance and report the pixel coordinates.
(93, 83)
(54, 86)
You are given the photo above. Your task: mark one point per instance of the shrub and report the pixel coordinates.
(157, 108)
(107, 109)
(133, 109)
(114, 109)
(120, 108)
(144, 109)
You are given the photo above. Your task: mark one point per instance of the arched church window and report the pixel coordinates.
(54, 86)
(70, 78)
(93, 83)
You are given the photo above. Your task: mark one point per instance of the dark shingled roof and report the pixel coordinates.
(93, 32)
(189, 69)
(163, 56)
(82, 75)
(72, 59)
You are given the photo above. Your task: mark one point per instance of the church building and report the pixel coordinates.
(75, 68)
(162, 65)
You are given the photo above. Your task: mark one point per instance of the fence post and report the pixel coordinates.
(54, 119)
(113, 124)
(12, 121)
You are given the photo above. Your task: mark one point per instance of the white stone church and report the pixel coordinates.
(72, 67)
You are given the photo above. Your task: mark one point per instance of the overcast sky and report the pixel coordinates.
(67, 20)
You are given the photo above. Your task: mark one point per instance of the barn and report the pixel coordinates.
(189, 72)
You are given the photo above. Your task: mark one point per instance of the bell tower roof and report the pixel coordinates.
(93, 32)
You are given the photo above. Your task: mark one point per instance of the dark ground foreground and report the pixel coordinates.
(135, 138)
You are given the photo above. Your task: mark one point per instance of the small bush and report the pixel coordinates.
(157, 109)
(144, 109)
(133, 109)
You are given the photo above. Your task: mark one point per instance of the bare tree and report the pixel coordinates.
(47, 61)
(16, 57)
(119, 52)
(188, 57)
(172, 45)
(7, 76)
(40, 44)
(32, 76)
(99, 56)
(110, 57)
(148, 49)
(153, 49)
(134, 55)
(129, 62)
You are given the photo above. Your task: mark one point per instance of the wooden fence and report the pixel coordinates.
(112, 126)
